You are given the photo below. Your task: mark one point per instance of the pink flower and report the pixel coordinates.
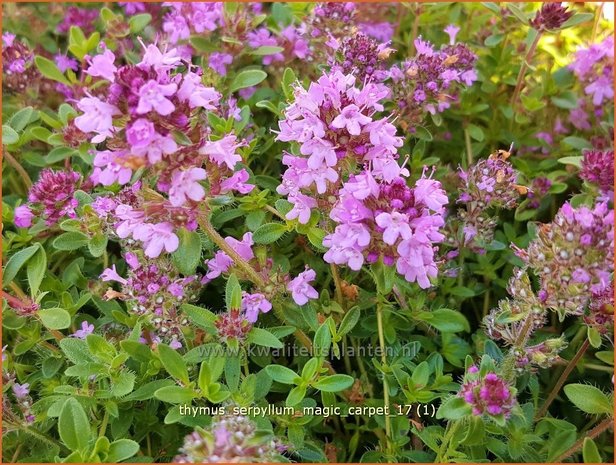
(102, 65)
(107, 169)
(452, 31)
(156, 238)
(185, 185)
(237, 182)
(395, 225)
(253, 304)
(352, 119)
(145, 141)
(86, 329)
(219, 61)
(153, 96)
(302, 204)
(110, 274)
(300, 287)
(218, 265)
(223, 151)
(430, 193)
(23, 216)
(97, 117)
(197, 94)
(141, 133)
(21, 390)
(159, 60)
(601, 89)
(243, 247)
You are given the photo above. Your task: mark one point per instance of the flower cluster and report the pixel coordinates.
(185, 19)
(428, 82)
(51, 198)
(291, 40)
(487, 395)
(362, 57)
(335, 124)
(488, 184)
(18, 70)
(155, 289)
(388, 221)
(594, 68)
(159, 100)
(600, 312)
(598, 168)
(229, 439)
(573, 256)
(82, 18)
(550, 16)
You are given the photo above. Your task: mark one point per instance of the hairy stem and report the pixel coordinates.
(561, 380)
(17, 167)
(250, 272)
(522, 73)
(379, 319)
(593, 433)
(338, 284)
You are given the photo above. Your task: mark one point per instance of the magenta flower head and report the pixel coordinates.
(300, 287)
(598, 168)
(552, 15)
(52, 195)
(487, 394)
(230, 439)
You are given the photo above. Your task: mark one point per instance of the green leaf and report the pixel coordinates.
(233, 293)
(247, 78)
(188, 254)
(266, 50)
(71, 241)
(288, 80)
(493, 40)
(139, 22)
(21, 118)
(475, 132)
(98, 245)
(334, 383)
(296, 395)
(148, 390)
(122, 449)
(281, 374)
(200, 316)
(519, 13)
(445, 320)
(37, 266)
(263, 337)
(55, 318)
(590, 453)
(453, 408)
(16, 262)
(268, 233)
(576, 19)
(173, 363)
(123, 384)
(175, 394)
(594, 337)
(9, 135)
(577, 143)
(322, 340)
(73, 426)
(421, 375)
(575, 161)
(349, 321)
(589, 399)
(76, 350)
(232, 372)
(49, 69)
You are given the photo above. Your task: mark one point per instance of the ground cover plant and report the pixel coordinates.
(331, 232)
